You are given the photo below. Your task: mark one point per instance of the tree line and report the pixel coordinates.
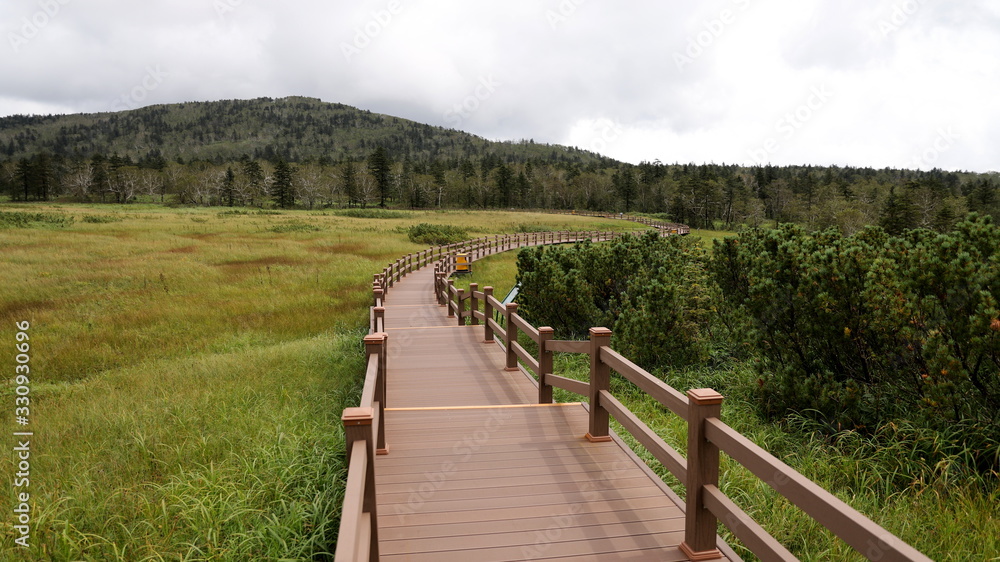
(703, 196)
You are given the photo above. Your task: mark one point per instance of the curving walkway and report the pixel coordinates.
(476, 471)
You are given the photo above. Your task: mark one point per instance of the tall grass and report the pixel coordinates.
(189, 369)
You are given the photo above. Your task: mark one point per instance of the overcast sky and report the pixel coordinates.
(900, 83)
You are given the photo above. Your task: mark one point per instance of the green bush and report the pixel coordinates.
(22, 219)
(863, 329)
(101, 219)
(436, 234)
(651, 291)
(371, 214)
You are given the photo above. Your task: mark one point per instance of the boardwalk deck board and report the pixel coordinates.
(477, 471)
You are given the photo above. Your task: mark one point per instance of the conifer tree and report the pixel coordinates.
(349, 181)
(379, 165)
(281, 189)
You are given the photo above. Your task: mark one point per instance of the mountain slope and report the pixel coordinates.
(294, 128)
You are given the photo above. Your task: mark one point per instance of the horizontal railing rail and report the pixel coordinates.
(707, 436)
(665, 227)
(364, 427)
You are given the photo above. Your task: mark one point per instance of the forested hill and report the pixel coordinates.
(301, 152)
(295, 129)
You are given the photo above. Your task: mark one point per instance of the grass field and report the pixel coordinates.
(188, 371)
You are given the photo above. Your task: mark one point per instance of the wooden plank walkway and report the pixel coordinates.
(477, 471)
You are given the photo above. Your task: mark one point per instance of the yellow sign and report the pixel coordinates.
(462, 264)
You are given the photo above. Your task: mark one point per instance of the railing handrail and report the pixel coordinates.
(364, 427)
(708, 434)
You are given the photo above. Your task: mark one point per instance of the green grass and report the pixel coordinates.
(188, 371)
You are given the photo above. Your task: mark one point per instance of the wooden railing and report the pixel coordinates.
(364, 437)
(664, 227)
(707, 436)
(364, 430)
(700, 408)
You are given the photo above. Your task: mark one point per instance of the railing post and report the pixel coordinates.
(600, 379)
(461, 307)
(440, 286)
(487, 314)
(544, 365)
(377, 344)
(358, 426)
(379, 295)
(702, 470)
(447, 296)
(473, 303)
(510, 311)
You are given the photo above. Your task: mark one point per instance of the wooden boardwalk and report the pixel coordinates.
(456, 453)
(478, 471)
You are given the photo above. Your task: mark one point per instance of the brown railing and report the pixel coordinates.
(364, 437)
(700, 408)
(364, 430)
(664, 227)
(707, 435)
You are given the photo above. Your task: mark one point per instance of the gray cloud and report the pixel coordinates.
(672, 80)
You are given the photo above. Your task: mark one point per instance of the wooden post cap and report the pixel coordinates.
(358, 416)
(704, 396)
(600, 331)
(375, 339)
(546, 330)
